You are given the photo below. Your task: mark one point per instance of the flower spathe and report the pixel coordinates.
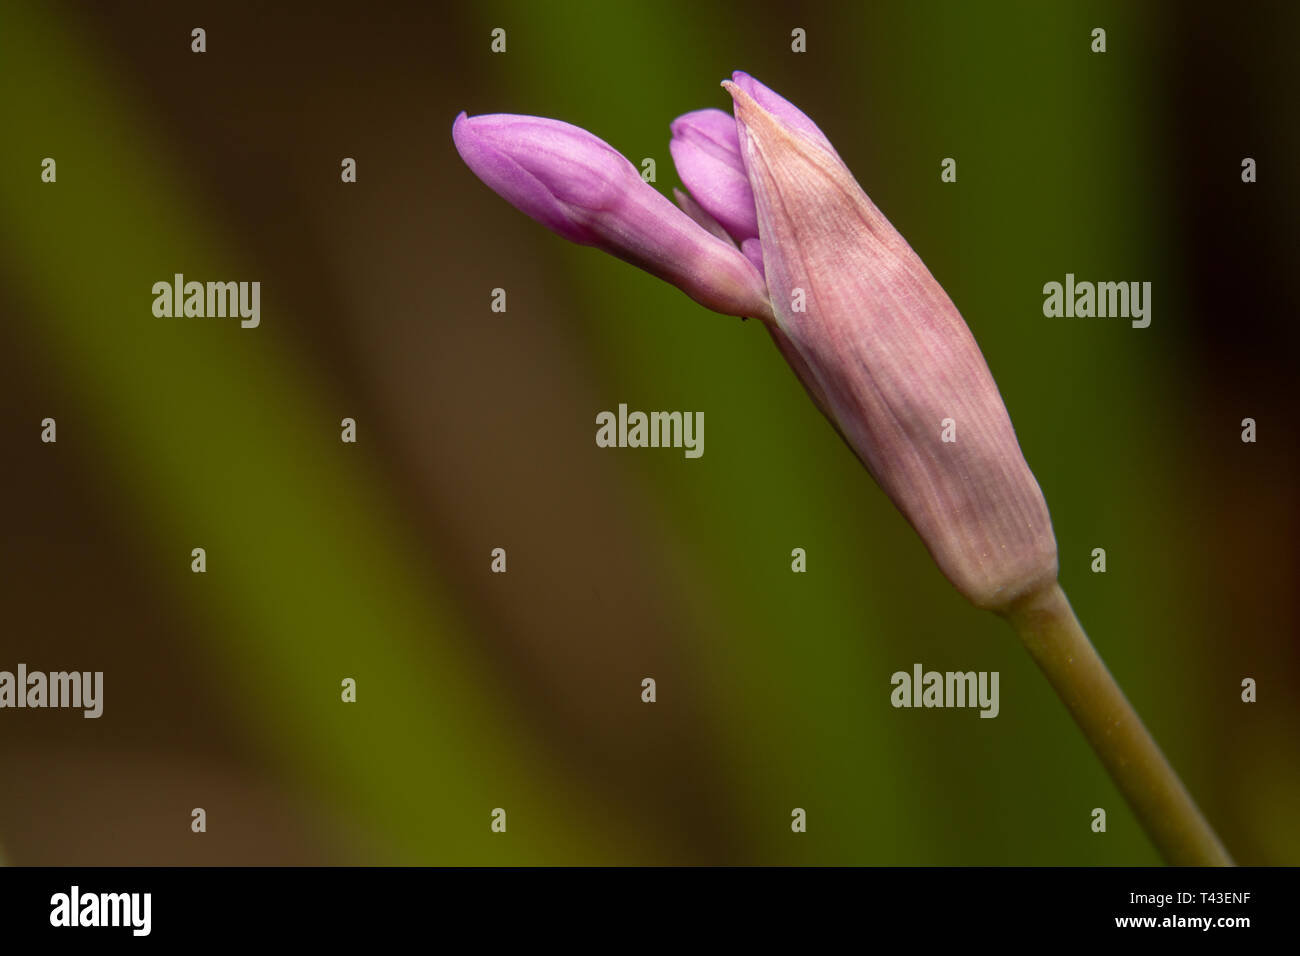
(894, 362)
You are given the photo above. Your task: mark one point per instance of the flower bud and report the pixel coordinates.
(886, 355)
(706, 151)
(583, 189)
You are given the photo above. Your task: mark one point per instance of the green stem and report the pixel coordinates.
(1053, 636)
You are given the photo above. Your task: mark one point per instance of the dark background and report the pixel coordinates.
(476, 430)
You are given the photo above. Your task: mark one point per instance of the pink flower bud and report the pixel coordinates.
(884, 352)
(706, 151)
(586, 191)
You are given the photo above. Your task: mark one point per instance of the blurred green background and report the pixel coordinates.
(476, 430)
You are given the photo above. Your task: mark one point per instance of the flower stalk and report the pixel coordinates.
(1050, 631)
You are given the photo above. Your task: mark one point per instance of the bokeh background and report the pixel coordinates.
(476, 431)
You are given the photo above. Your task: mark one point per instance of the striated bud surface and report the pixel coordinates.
(884, 352)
